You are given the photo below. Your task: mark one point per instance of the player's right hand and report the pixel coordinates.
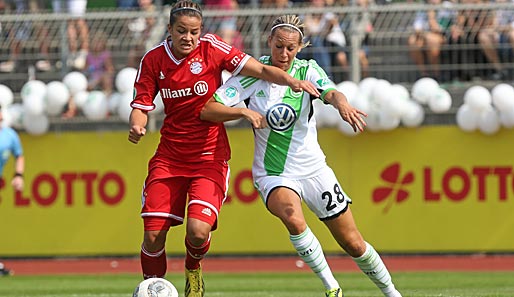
(135, 133)
(305, 86)
(256, 119)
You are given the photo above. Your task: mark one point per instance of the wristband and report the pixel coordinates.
(18, 174)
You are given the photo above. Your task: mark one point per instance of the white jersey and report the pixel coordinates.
(289, 146)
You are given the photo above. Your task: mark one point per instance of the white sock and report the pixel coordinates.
(309, 249)
(372, 265)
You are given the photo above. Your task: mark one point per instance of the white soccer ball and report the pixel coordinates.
(155, 287)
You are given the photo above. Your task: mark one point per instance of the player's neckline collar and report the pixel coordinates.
(168, 47)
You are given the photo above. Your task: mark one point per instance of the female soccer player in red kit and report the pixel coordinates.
(191, 158)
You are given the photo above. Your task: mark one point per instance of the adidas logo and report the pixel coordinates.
(161, 75)
(260, 94)
(207, 211)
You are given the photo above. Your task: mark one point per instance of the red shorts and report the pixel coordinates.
(168, 187)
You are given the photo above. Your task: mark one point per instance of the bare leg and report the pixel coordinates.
(286, 205)
(347, 235)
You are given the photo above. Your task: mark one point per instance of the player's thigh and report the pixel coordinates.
(284, 202)
(207, 193)
(163, 203)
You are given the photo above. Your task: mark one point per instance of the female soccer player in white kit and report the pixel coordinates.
(289, 165)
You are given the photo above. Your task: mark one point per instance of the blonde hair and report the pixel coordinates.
(291, 23)
(185, 8)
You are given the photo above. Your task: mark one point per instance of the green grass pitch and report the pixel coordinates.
(411, 284)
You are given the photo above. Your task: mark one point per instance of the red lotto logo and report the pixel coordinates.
(393, 191)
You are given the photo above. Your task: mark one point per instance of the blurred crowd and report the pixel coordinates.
(437, 40)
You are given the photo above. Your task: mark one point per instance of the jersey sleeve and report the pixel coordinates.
(145, 85)
(235, 89)
(16, 148)
(231, 58)
(320, 79)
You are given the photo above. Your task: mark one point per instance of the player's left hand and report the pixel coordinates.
(354, 117)
(304, 85)
(17, 183)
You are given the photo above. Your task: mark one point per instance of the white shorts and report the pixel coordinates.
(322, 193)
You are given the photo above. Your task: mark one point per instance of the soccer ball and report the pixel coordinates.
(155, 287)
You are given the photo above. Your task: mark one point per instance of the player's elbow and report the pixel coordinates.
(207, 115)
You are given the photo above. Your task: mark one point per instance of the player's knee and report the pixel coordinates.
(355, 248)
(295, 225)
(198, 234)
(154, 241)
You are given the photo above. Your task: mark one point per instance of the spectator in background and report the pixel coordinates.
(99, 70)
(141, 29)
(317, 27)
(506, 28)
(362, 26)
(430, 28)
(99, 65)
(126, 4)
(276, 4)
(226, 26)
(463, 36)
(496, 31)
(21, 32)
(77, 30)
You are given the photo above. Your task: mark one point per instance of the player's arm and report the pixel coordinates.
(276, 75)
(138, 119)
(217, 112)
(19, 168)
(350, 114)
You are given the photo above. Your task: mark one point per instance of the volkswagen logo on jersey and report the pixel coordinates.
(281, 117)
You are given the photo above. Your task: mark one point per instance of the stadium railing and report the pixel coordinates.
(388, 51)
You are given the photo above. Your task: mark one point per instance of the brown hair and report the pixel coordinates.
(292, 23)
(185, 8)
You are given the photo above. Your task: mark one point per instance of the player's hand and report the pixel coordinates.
(17, 183)
(304, 85)
(257, 120)
(354, 117)
(135, 133)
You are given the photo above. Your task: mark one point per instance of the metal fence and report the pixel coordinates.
(386, 45)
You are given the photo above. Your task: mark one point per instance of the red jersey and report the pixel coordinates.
(185, 86)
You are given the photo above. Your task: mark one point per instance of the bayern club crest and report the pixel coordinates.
(195, 65)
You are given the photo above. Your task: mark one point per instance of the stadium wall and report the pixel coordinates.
(423, 190)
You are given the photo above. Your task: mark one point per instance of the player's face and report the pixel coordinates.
(184, 35)
(284, 46)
